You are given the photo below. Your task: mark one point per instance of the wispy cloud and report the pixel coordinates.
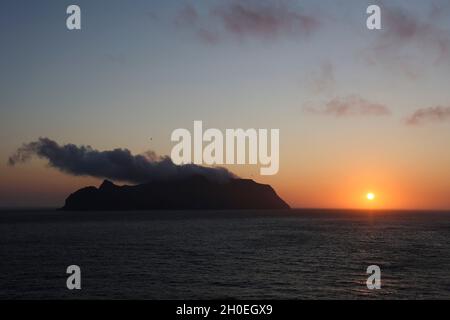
(324, 80)
(264, 19)
(406, 37)
(429, 115)
(352, 105)
(439, 9)
(248, 19)
(187, 16)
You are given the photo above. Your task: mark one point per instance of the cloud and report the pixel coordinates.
(243, 19)
(405, 28)
(323, 81)
(187, 16)
(440, 9)
(117, 164)
(351, 105)
(426, 115)
(406, 39)
(259, 18)
(208, 36)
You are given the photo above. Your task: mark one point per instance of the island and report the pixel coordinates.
(192, 193)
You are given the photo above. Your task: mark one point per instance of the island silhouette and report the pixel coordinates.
(192, 193)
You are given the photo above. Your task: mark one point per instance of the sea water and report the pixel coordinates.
(295, 254)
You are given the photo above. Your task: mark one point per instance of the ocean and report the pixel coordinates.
(295, 254)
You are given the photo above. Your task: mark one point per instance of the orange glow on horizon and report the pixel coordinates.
(314, 186)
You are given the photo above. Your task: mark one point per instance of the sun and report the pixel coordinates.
(370, 196)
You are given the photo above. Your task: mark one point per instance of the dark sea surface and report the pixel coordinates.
(296, 254)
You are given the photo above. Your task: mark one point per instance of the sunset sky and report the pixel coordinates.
(358, 111)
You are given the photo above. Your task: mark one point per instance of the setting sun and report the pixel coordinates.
(370, 196)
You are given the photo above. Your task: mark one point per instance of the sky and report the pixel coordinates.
(358, 110)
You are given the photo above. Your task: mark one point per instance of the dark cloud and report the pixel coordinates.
(252, 18)
(117, 164)
(427, 115)
(352, 105)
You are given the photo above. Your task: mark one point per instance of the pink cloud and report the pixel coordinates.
(427, 115)
(255, 18)
(404, 31)
(250, 18)
(352, 105)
